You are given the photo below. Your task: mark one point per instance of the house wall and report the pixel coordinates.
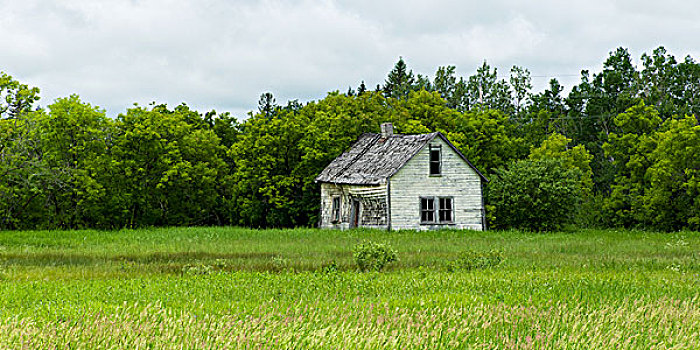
(373, 205)
(458, 180)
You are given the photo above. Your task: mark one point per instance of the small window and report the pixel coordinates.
(335, 210)
(435, 166)
(445, 211)
(427, 210)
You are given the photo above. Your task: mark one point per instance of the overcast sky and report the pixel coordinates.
(216, 54)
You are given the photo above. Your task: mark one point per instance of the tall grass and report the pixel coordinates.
(168, 250)
(638, 324)
(240, 288)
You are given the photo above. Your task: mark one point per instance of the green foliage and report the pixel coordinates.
(164, 170)
(521, 83)
(485, 91)
(445, 83)
(267, 105)
(556, 147)
(370, 256)
(197, 269)
(628, 151)
(538, 195)
(672, 198)
(488, 139)
(329, 268)
(631, 132)
(73, 135)
(15, 98)
(400, 81)
(582, 289)
(472, 260)
(25, 176)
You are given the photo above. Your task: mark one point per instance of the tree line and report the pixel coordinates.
(623, 145)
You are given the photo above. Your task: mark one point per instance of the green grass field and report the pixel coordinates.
(196, 288)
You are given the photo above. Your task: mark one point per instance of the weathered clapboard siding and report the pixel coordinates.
(372, 199)
(400, 164)
(458, 180)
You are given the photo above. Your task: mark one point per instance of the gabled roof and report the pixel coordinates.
(372, 159)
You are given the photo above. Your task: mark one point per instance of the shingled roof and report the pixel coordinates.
(372, 159)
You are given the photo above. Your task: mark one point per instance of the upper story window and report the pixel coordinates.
(435, 160)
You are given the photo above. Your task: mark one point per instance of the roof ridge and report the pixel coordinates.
(372, 159)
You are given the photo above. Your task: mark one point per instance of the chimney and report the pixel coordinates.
(387, 130)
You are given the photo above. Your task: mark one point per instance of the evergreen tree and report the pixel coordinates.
(399, 82)
(361, 89)
(267, 104)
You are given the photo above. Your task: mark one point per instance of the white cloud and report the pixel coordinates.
(223, 54)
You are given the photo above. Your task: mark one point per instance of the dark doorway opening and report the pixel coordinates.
(355, 214)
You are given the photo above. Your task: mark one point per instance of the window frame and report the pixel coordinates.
(437, 210)
(441, 210)
(438, 149)
(336, 204)
(427, 211)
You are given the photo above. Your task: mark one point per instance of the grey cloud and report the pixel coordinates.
(223, 54)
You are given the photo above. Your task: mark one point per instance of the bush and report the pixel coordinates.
(539, 195)
(197, 269)
(279, 264)
(329, 268)
(475, 260)
(370, 256)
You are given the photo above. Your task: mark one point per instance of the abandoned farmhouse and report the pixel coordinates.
(392, 182)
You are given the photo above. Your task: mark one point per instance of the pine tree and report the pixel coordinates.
(361, 89)
(400, 81)
(267, 104)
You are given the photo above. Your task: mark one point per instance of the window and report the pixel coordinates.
(335, 210)
(445, 211)
(435, 166)
(442, 213)
(427, 210)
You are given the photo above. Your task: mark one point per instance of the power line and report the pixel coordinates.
(582, 117)
(543, 76)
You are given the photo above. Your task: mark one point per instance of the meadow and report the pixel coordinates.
(175, 288)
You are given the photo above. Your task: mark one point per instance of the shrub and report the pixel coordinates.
(539, 195)
(279, 264)
(370, 256)
(475, 260)
(197, 269)
(329, 268)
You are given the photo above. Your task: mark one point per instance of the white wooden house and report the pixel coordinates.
(398, 181)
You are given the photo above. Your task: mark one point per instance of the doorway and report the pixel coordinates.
(355, 214)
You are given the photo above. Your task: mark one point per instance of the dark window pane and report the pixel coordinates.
(445, 210)
(446, 203)
(336, 209)
(434, 168)
(427, 210)
(446, 215)
(434, 162)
